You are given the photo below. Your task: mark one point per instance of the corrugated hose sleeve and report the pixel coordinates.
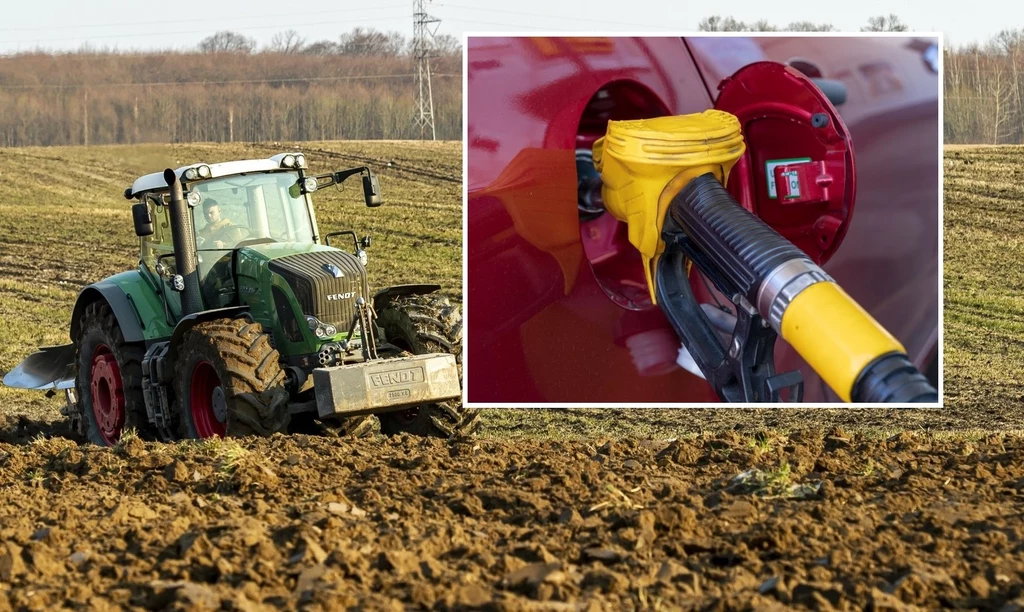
(741, 246)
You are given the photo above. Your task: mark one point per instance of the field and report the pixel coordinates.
(547, 510)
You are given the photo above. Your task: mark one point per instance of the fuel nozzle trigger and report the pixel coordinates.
(741, 370)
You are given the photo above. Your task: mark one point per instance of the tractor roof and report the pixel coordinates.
(156, 182)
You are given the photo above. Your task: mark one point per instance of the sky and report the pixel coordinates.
(147, 24)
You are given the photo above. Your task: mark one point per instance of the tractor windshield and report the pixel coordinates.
(251, 208)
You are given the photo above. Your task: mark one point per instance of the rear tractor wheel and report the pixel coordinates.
(230, 382)
(421, 324)
(108, 378)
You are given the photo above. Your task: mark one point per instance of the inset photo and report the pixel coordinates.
(676, 220)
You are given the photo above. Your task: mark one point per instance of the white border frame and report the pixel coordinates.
(466, 310)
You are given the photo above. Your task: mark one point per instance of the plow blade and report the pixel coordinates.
(48, 368)
(381, 386)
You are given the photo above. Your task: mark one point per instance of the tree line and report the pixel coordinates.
(717, 23)
(363, 87)
(984, 91)
(358, 41)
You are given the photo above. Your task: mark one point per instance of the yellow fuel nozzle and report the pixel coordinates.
(671, 172)
(644, 163)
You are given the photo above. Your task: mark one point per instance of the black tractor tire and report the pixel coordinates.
(230, 381)
(421, 324)
(121, 403)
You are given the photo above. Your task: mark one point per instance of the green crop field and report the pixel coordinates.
(65, 224)
(984, 280)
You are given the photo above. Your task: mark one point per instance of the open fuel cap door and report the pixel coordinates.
(797, 174)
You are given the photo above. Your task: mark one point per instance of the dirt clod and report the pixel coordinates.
(606, 581)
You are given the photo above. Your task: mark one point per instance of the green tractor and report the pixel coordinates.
(242, 319)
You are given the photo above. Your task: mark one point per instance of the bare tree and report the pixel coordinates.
(729, 24)
(956, 110)
(1009, 40)
(1010, 44)
(369, 41)
(761, 25)
(322, 47)
(999, 91)
(227, 42)
(715, 23)
(446, 45)
(883, 23)
(288, 42)
(809, 26)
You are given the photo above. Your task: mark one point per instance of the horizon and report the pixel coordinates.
(142, 29)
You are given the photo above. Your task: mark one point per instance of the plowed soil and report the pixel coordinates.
(809, 520)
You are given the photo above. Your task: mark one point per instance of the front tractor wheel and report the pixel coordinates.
(421, 324)
(108, 378)
(230, 382)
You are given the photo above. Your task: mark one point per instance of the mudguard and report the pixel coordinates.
(127, 317)
(384, 295)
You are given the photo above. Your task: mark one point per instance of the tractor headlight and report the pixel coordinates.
(309, 184)
(300, 161)
(331, 331)
(191, 174)
(312, 322)
(194, 198)
(205, 172)
(320, 332)
(361, 254)
(288, 161)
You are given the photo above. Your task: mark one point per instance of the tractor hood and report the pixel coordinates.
(290, 282)
(276, 250)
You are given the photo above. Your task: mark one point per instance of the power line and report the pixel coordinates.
(366, 77)
(100, 55)
(241, 30)
(504, 25)
(202, 19)
(545, 16)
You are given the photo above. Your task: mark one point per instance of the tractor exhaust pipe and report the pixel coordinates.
(184, 247)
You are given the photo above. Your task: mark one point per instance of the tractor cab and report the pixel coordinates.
(240, 211)
(230, 206)
(235, 211)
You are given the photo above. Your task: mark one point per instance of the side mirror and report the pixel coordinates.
(143, 222)
(365, 242)
(371, 191)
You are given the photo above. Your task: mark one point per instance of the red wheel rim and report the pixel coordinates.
(204, 387)
(107, 394)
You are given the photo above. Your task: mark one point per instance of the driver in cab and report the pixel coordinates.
(215, 224)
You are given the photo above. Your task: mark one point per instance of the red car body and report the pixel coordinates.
(554, 307)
